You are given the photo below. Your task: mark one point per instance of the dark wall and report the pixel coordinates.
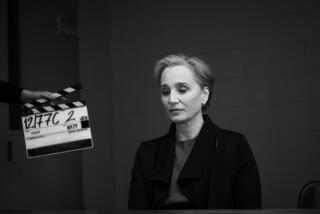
(265, 55)
(98, 166)
(48, 60)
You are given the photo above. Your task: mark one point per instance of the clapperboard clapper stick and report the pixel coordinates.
(56, 95)
(53, 129)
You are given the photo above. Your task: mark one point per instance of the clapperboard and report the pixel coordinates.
(51, 129)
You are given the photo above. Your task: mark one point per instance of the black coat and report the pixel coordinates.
(220, 173)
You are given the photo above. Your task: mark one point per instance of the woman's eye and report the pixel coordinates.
(182, 90)
(165, 92)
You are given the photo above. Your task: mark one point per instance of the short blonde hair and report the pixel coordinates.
(201, 70)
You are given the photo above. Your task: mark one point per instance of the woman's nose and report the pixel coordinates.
(173, 98)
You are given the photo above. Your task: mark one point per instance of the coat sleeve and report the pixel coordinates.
(138, 196)
(247, 182)
(9, 93)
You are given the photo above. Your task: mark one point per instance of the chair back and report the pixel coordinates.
(309, 197)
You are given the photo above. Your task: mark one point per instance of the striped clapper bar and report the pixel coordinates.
(56, 129)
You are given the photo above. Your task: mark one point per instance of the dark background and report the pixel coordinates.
(266, 55)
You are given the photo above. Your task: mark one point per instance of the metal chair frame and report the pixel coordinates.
(307, 187)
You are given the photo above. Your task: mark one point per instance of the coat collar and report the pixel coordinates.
(205, 141)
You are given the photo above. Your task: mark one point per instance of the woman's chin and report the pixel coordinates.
(177, 118)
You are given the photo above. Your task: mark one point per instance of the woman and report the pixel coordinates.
(196, 165)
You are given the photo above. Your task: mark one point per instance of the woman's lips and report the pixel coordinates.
(175, 110)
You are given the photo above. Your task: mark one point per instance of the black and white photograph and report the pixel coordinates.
(159, 106)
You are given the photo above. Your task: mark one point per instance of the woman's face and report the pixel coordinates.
(181, 96)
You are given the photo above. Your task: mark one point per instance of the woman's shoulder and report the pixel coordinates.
(231, 137)
(230, 134)
(236, 141)
(222, 132)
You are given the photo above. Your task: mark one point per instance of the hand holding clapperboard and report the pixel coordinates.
(57, 128)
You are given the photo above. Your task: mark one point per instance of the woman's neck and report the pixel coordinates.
(189, 129)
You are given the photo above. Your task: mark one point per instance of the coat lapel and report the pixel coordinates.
(203, 146)
(164, 159)
(192, 177)
(162, 171)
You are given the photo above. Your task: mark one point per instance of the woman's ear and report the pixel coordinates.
(205, 95)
